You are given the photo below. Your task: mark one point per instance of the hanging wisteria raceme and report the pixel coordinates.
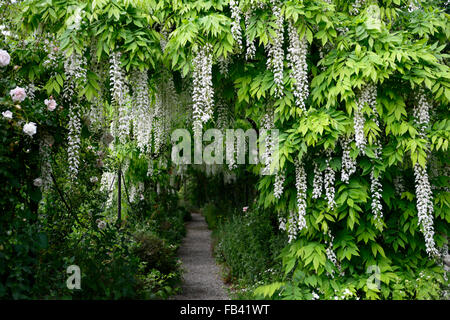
(278, 185)
(203, 92)
(348, 163)
(106, 185)
(44, 153)
(74, 141)
(236, 23)
(275, 50)
(158, 123)
(163, 40)
(223, 66)
(141, 111)
(150, 168)
(331, 255)
(376, 189)
(281, 222)
(120, 97)
(317, 183)
(298, 48)
(75, 71)
(292, 226)
(424, 196)
(356, 7)
(267, 123)
(251, 47)
(96, 110)
(300, 185)
(119, 88)
(425, 208)
(330, 176)
(367, 95)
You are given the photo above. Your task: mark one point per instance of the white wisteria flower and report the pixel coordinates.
(300, 185)
(93, 179)
(18, 94)
(278, 185)
(30, 128)
(330, 176)
(297, 62)
(236, 23)
(101, 224)
(5, 58)
(7, 114)
(275, 60)
(37, 182)
(50, 103)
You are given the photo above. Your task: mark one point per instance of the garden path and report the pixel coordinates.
(201, 280)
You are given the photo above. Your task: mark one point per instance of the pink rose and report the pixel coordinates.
(50, 103)
(245, 209)
(4, 58)
(18, 94)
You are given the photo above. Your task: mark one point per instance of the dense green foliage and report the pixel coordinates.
(401, 53)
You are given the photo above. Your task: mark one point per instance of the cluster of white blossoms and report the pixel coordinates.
(297, 62)
(367, 95)
(203, 92)
(50, 103)
(137, 192)
(120, 97)
(267, 123)
(424, 194)
(30, 129)
(348, 163)
(356, 7)
(96, 112)
(292, 228)
(330, 176)
(223, 66)
(317, 183)
(142, 118)
(119, 88)
(251, 47)
(5, 58)
(275, 50)
(7, 114)
(75, 71)
(150, 168)
(300, 185)
(18, 94)
(376, 187)
(236, 31)
(74, 141)
(106, 185)
(331, 255)
(281, 222)
(278, 185)
(425, 208)
(413, 5)
(53, 54)
(44, 154)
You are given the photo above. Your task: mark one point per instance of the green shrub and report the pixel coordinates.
(249, 244)
(155, 253)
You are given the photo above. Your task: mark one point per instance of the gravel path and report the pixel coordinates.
(201, 274)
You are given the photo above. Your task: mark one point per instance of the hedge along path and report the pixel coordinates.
(201, 280)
